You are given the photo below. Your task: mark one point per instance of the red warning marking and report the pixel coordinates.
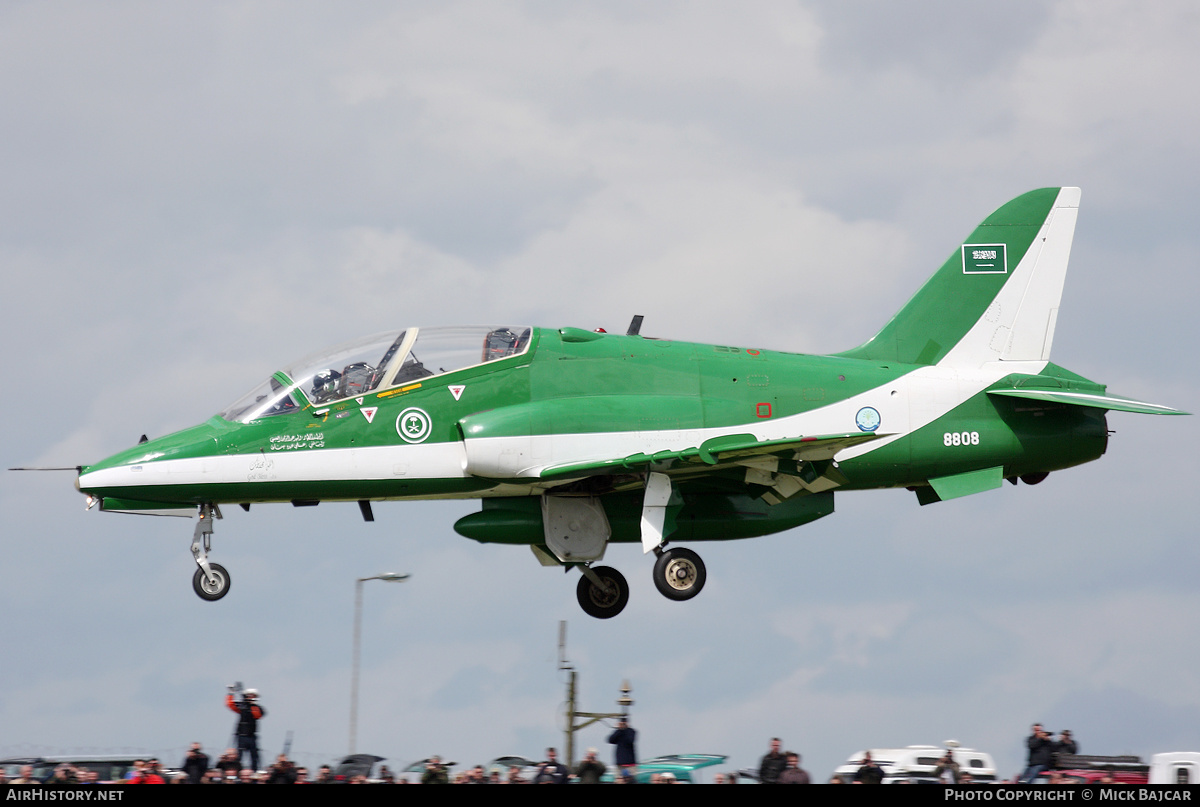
(763, 410)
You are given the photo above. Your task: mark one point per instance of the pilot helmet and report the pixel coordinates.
(325, 381)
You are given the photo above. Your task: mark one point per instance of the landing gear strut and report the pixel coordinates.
(211, 581)
(602, 591)
(679, 574)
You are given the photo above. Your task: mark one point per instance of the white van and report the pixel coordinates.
(1175, 768)
(915, 764)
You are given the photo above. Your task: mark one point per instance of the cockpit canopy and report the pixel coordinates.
(382, 361)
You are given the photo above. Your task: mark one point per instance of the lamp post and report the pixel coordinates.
(390, 577)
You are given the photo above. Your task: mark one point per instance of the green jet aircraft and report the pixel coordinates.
(573, 439)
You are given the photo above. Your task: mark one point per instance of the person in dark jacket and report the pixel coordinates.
(772, 764)
(551, 772)
(624, 738)
(869, 773)
(283, 772)
(1041, 751)
(1066, 746)
(195, 764)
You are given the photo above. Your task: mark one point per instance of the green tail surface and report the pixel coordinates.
(996, 298)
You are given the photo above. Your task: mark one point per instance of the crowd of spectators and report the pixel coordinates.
(227, 770)
(777, 767)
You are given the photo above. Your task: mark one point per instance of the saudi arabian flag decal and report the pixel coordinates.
(984, 259)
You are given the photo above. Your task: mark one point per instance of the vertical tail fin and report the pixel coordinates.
(996, 298)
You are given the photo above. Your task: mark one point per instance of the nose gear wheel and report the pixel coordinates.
(213, 586)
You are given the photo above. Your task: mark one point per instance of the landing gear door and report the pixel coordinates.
(577, 527)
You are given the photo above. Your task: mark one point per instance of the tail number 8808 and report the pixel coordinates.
(960, 438)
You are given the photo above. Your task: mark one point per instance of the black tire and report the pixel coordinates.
(679, 574)
(207, 591)
(601, 603)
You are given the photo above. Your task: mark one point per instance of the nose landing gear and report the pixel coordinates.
(211, 581)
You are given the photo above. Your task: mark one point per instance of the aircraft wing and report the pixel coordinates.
(723, 450)
(1076, 398)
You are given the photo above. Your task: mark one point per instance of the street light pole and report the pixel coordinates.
(390, 577)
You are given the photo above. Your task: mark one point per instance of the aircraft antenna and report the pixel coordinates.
(75, 468)
(635, 327)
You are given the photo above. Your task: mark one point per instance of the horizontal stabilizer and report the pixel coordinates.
(1111, 402)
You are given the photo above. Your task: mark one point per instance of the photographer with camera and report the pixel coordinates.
(249, 712)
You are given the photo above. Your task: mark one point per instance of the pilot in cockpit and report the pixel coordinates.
(324, 386)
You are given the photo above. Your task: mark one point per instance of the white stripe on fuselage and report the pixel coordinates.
(905, 405)
(424, 461)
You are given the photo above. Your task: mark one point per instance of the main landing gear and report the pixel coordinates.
(679, 573)
(602, 591)
(577, 530)
(211, 581)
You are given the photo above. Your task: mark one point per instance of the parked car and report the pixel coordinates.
(684, 767)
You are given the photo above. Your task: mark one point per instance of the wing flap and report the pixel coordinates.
(722, 450)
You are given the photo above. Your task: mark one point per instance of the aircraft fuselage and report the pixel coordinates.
(576, 396)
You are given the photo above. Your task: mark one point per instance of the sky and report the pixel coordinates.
(197, 194)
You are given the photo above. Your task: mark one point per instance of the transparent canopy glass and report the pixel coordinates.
(380, 361)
